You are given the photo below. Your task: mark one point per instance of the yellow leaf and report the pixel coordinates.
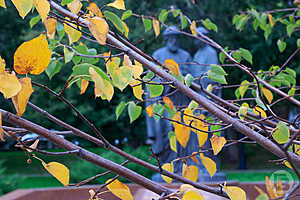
(34, 145)
(192, 195)
(170, 168)
(2, 3)
(202, 136)
(99, 28)
(243, 111)
(169, 103)
(50, 24)
(137, 89)
(1, 129)
(190, 172)
(149, 111)
(23, 6)
(235, 193)
(2, 65)
(93, 8)
(43, 8)
(119, 189)
(286, 163)
(217, 143)
(209, 164)
(119, 4)
(32, 56)
(172, 66)
(137, 70)
(75, 6)
(186, 116)
(59, 171)
(259, 111)
(84, 85)
(126, 60)
(102, 86)
(126, 31)
(270, 188)
(271, 19)
(21, 99)
(137, 63)
(297, 149)
(73, 34)
(182, 132)
(156, 27)
(268, 94)
(193, 28)
(194, 157)
(9, 85)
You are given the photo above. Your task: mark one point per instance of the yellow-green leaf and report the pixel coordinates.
(282, 133)
(75, 6)
(268, 94)
(73, 34)
(286, 163)
(2, 65)
(9, 85)
(23, 6)
(32, 56)
(193, 28)
(156, 27)
(217, 143)
(209, 164)
(99, 28)
(2, 3)
(182, 132)
(235, 193)
(43, 8)
(173, 141)
(190, 172)
(119, 189)
(119, 4)
(137, 89)
(21, 99)
(192, 195)
(50, 24)
(243, 111)
(172, 66)
(259, 111)
(170, 168)
(137, 70)
(59, 171)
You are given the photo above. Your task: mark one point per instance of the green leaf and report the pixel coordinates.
(126, 14)
(215, 128)
(60, 30)
(33, 21)
(246, 55)
(292, 91)
(163, 15)
(65, 2)
(117, 22)
(262, 197)
(188, 80)
(155, 90)
(53, 68)
(148, 76)
(216, 77)
(210, 25)
(290, 29)
(298, 43)
(120, 108)
(193, 105)
(159, 109)
(281, 45)
(183, 21)
(243, 88)
(268, 31)
(222, 57)
(134, 111)
(237, 93)
(176, 12)
(68, 55)
(237, 56)
(281, 134)
(147, 24)
(217, 69)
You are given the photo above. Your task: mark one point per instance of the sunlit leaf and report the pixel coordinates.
(119, 189)
(9, 85)
(21, 99)
(173, 141)
(170, 168)
(282, 133)
(147, 24)
(182, 132)
(134, 111)
(2, 3)
(154, 90)
(99, 28)
(268, 94)
(50, 24)
(209, 164)
(84, 86)
(119, 4)
(34, 20)
(201, 134)
(2, 65)
(23, 6)
(59, 171)
(43, 8)
(172, 66)
(192, 195)
(190, 172)
(235, 193)
(156, 27)
(193, 28)
(137, 70)
(93, 8)
(217, 143)
(32, 56)
(259, 111)
(73, 34)
(126, 14)
(75, 6)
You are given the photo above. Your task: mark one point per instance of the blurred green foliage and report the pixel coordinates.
(8, 182)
